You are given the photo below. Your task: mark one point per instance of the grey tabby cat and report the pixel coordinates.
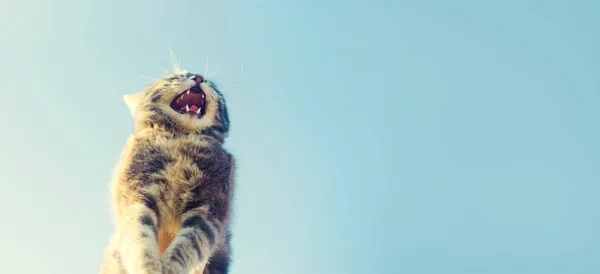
(173, 185)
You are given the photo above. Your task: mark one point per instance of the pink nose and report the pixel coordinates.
(198, 79)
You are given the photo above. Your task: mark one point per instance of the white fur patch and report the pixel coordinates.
(132, 101)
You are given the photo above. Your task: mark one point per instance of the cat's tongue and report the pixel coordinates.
(193, 108)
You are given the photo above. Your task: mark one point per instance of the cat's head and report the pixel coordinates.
(182, 101)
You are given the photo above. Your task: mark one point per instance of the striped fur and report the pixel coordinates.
(173, 185)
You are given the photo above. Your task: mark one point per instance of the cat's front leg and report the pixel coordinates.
(137, 239)
(194, 244)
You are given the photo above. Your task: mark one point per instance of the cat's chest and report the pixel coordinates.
(184, 148)
(177, 161)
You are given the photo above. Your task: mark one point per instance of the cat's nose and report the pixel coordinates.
(198, 79)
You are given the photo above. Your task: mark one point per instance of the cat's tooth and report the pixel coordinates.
(188, 92)
(187, 107)
(202, 95)
(198, 111)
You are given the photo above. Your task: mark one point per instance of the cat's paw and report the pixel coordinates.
(151, 268)
(172, 268)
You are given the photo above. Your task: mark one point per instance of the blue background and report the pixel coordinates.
(371, 136)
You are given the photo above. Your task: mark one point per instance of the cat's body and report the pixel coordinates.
(174, 183)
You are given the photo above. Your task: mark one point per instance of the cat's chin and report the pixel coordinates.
(190, 102)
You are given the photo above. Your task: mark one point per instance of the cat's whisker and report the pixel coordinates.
(174, 62)
(170, 56)
(213, 73)
(238, 81)
(228, 86)
(206, 66)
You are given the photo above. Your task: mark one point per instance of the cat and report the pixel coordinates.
(173, 186)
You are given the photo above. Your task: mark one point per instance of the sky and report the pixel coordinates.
(419, 137)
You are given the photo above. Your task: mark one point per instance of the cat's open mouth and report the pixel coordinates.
(191, 101)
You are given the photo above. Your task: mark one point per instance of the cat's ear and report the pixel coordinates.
(132, 101)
